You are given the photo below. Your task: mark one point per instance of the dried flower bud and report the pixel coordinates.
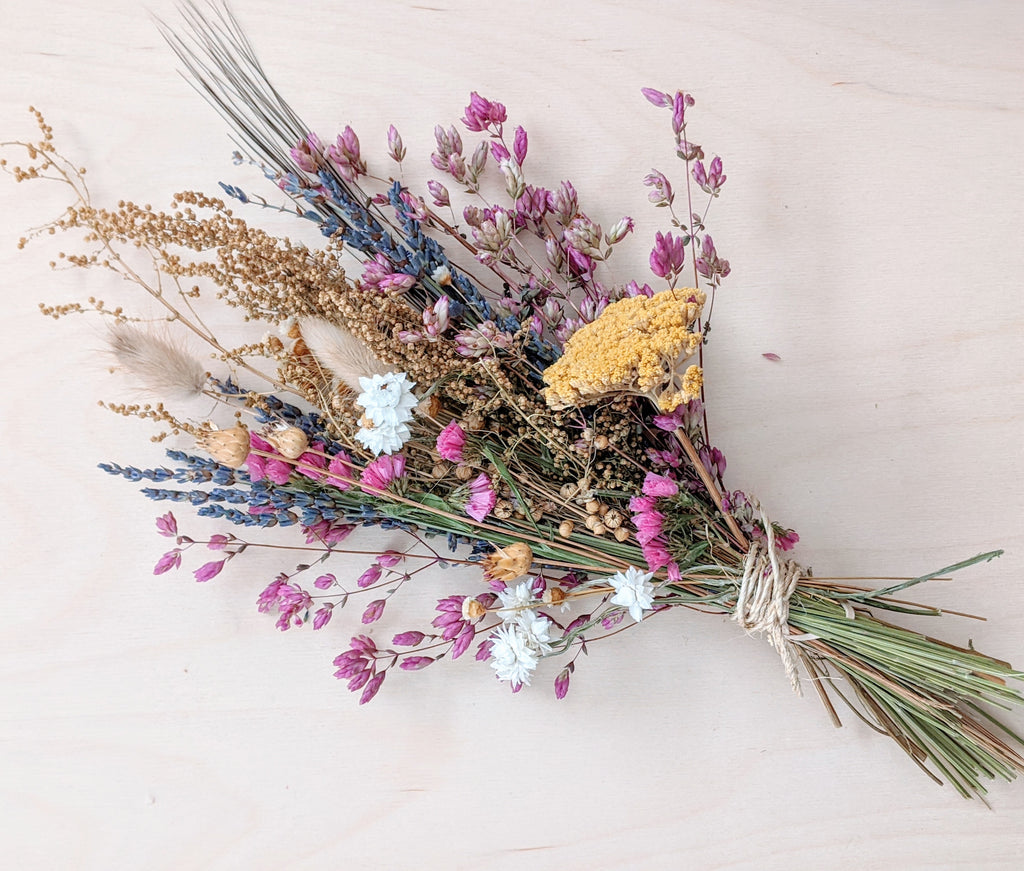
(290, 443)
(621, 534)
(429, 407)
(613, 519)
(439, 471)
(227, 446)
(599, 528)
(565, 528)
(463, 472)
(567, 491)
(591, 521)
(553, 596)
(503, 509)
(601, 442)
(508, 563)
(473, 422)
(593, 506)
(473, 610)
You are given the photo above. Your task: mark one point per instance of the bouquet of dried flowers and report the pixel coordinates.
(474, 379)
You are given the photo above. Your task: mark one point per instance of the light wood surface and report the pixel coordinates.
(873, 219)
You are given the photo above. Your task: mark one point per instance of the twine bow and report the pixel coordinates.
(762, 604)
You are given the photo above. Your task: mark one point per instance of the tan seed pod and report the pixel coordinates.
(291, 443)
(593, 506)
(601, 442)
(568, 491)
(603, 510)
(429, 407)
(229, 447)
(565, 528)
(473, 610)
(621, 534)
(613, 519)
(591, 521)
(508, 563)
(463, 472)
(553, 596)
(599, 528)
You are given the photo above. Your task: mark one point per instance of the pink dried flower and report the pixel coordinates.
(482, 498)
(462, 642)
(370, 576)
(562, 683)
(261, 467)
(170, 560)
(415, 663)
(659, 485)
(340, 471)
(451, 441)
(325, 582)
(167, 525)
(374, 611)
(656, 97)
(312, 462)
(408, 639)
(217, 542)
(482, 113)
(390, 558)
(668, 255)
(520, 144)
(396, 148)
(323, 616)
(372, 686)
(209, 570)
(382, 471)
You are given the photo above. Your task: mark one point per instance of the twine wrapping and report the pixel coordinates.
(762, 603)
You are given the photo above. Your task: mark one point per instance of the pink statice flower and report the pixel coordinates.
(379, 473)
(312, 463)
(167, 525)
(482, 498)
(451, 441)
(659, 485)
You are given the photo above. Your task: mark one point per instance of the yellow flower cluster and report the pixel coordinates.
(636, 345)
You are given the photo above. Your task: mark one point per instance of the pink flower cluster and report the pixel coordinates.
(649, 523)
(455, 625)
(290, 600)
(358, 665)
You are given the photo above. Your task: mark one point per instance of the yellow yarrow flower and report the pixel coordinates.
(636, 345)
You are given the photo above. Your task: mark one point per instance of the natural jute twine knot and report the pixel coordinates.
(762, 604)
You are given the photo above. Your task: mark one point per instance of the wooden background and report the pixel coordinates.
(873, 219)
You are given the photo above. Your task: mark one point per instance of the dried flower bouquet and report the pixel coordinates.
(482, 383)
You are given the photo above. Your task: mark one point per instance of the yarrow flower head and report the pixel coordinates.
(636, 345)
(633, 591)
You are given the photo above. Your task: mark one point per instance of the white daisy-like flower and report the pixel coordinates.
(387, 399)
(517, 647)
(383, 438)
(515, 601)
(633, 591)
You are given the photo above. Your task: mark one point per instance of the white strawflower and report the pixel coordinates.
(388, 402)
(387, 399)
(517, 647)
(515, 601)
(383, 438)
(633, 591)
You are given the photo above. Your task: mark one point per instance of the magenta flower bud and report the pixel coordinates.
(167, 525)
(209, 570)
(680, 103)
(369, 577)
(439, 192)
(463, 641)
(323, 616)
(520, 144)
(667, 256)
(374, 611)
(325, 582)
(372, 687)
(564, 202)
(170, 560)
(499, 152)
(359, 680)
(699, 175)
(613, 620)
(656, 97)
(363, 644)
(483, 652)
(217, 542)
(578, 623)
(389, 559)
(396, 148)
(408, 639)
(415, 663)
(562, 684)
(555, 252)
